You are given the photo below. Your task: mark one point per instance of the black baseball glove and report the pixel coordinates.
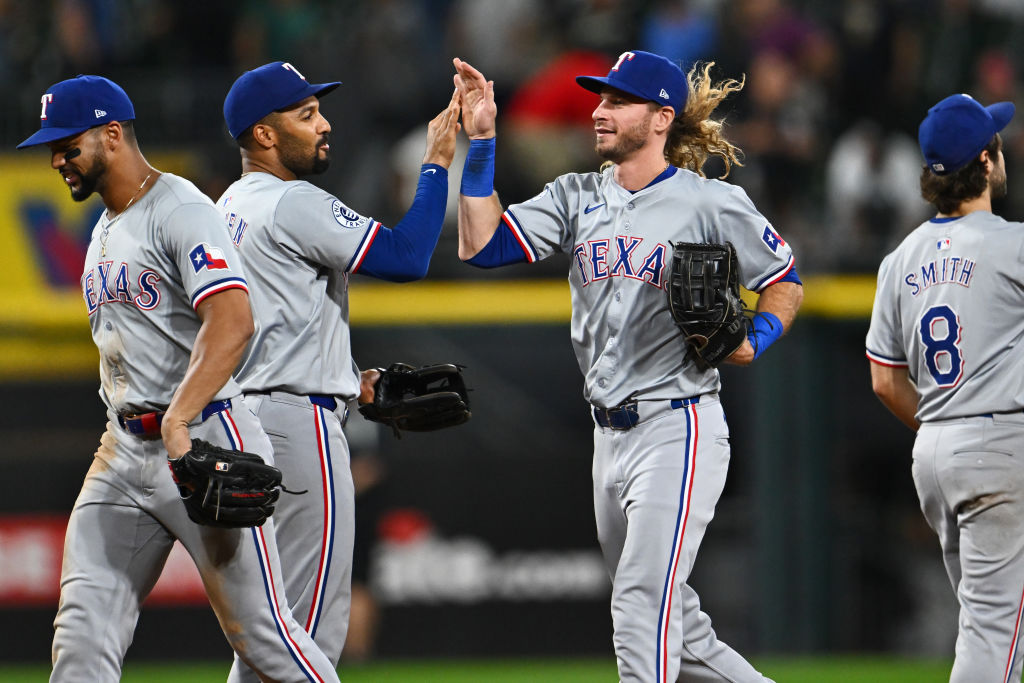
(225, 488)
(419, 399)
(704, 298)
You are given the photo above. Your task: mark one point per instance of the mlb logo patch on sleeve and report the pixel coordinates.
(205, 256)
(772, 239)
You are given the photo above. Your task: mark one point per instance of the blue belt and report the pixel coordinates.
(625, 416)
(328, 402)
(323, 400)
(148, 424)
(1012, 412)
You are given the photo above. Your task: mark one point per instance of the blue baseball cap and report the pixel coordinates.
(956, 130)
(268, 88)
(646, 75)
(78, 104)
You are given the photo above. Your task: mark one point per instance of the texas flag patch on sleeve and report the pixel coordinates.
(205, 256)
(772, 239)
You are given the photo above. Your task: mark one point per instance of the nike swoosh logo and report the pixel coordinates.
(593, 208)
(431, 170)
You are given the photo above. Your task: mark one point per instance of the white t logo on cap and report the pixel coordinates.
(286, 65)
(625, 56)
(47, 98)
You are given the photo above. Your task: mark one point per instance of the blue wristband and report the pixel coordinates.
(478, 171)
(766, 328)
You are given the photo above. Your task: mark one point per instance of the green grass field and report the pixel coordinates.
(844, 669)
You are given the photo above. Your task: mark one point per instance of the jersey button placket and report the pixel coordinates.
(610, 356)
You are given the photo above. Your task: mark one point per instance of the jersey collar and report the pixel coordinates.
(664, 175)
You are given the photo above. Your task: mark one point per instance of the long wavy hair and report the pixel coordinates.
(694, 135)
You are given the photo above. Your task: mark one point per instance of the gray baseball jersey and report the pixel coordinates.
(300, 244)
(944, 309)
(625, 339)
(161, 261)
(937, 313)
(145, 273)
(306, 243)
(657, 479)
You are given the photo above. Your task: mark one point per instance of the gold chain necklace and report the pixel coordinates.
(106, 228)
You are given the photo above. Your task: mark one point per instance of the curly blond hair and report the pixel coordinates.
(694, 136)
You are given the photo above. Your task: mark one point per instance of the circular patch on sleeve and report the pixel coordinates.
(345, 216)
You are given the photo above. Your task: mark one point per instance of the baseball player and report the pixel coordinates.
(169, 311)
(300, 244)
(661, 443)
(946, 358)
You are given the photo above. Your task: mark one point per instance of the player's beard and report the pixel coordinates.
(626, 142)
(88, 180)
(997, 182)
(296, 158)
(321, 165)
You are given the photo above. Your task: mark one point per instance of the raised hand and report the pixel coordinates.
(478, 109)
(441, 134)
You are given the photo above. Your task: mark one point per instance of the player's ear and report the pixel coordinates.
(663, 119)
(112, 135)
(986, 160)
(263, 135)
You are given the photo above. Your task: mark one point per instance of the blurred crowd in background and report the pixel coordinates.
(827, 120)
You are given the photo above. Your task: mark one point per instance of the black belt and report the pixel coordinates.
(148, 424)
(625, 415)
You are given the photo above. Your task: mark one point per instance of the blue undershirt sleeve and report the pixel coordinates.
(502, 250)
(791, 276)
(402, 253)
